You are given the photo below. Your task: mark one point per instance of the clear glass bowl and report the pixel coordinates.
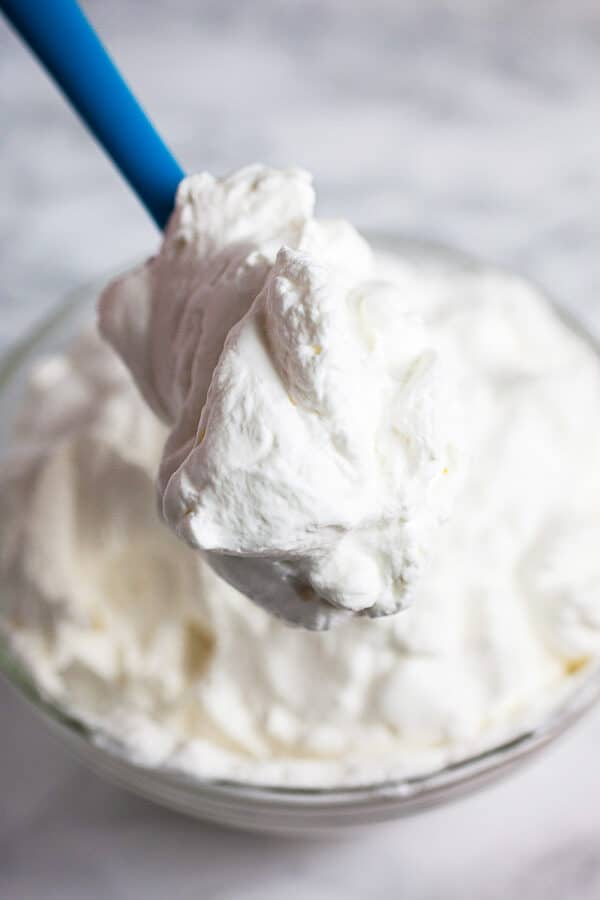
(266, 808)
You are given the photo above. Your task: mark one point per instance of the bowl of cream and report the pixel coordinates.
(169, 681)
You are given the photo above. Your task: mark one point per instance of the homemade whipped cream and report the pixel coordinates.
(127, 628)
(314, 442)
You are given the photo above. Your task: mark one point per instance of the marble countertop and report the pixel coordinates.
(471, 123)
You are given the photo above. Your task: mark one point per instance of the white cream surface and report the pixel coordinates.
(126, 627)
(315, 433)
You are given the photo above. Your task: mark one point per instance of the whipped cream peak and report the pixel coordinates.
(314, 421)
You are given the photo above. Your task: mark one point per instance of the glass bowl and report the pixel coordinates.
(281, 810)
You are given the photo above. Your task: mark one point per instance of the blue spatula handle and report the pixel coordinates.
(66, 44)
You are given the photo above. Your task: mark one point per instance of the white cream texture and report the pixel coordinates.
(125, 626)
(314, 445)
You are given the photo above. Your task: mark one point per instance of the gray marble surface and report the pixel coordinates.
(470, 122)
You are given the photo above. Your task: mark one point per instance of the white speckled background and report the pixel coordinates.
(477, 123)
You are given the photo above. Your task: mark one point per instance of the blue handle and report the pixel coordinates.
(65, 43)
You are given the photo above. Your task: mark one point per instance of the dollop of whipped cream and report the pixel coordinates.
(314, 444)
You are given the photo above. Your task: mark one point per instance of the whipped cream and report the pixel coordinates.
(315, 434)
(128, 629)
